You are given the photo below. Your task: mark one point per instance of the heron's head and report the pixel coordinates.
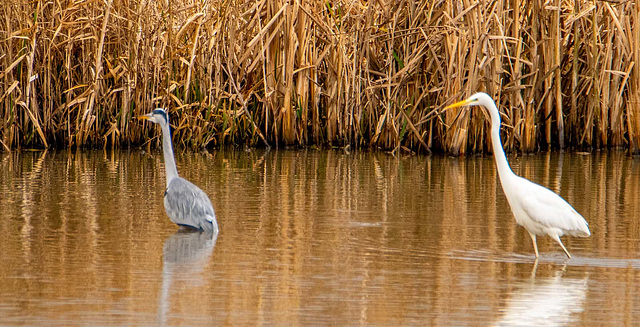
(158, 116)
(478, 99)
(484, 100)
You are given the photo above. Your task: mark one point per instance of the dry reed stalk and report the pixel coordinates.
(633, 102)
(557, 49)
(30, 104)
(339, 73)
(575, 33)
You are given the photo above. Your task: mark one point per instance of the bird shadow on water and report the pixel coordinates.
(185, 255)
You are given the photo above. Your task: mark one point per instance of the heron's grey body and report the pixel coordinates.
(185, 204)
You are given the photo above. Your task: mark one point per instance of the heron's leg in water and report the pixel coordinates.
(557, 239)
(535, 244)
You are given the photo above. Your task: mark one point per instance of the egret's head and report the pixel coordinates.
(484, 100)
(158, 116)
(478, 99)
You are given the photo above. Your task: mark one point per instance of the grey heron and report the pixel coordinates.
(185, 204)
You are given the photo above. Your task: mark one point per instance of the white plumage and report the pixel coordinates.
(539, 210)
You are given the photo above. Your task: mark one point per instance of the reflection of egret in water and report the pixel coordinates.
(553, 301)
(185, 255)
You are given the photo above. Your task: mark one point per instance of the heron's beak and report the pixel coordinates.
(458, 104)
(145, 117)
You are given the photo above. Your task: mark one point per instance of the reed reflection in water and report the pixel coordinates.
(310, 237)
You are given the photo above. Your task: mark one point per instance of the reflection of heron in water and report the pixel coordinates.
(185, 255)
(553, 301)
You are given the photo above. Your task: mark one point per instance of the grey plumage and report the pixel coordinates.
(185, 204)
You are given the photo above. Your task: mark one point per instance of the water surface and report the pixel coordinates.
(312, 237)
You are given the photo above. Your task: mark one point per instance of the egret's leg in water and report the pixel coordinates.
(535, 244)
(557, 239)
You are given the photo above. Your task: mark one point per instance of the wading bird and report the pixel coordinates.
(539, 210)
(185, 204)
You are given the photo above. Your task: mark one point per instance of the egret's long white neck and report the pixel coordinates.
(504, 171)
(167, 149)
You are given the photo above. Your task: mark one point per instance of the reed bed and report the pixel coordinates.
(360, 73)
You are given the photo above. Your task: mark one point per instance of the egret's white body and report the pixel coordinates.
(536, 208)
(185, 203)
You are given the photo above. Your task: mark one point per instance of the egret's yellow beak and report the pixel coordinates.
(458, 104)
(144, 117)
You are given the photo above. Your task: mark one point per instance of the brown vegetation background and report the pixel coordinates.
(359, 73)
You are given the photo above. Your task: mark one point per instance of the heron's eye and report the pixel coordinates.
(161, 113)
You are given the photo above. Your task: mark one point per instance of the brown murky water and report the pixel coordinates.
(312, 238)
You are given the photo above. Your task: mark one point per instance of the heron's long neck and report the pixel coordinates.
(167, 149)
(504, 171)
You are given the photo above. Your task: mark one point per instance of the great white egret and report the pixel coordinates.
(185, 204)
(539, 210)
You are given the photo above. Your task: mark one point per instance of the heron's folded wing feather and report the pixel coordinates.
(549, 209)
(189, 204)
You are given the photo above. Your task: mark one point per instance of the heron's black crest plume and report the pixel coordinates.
(163, 113)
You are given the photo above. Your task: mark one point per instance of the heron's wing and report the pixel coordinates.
(186, 204)
(549, 209)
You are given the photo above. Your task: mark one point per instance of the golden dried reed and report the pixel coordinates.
(361, 73)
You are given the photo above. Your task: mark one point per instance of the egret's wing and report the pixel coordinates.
(188, 205)
(549, 209)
